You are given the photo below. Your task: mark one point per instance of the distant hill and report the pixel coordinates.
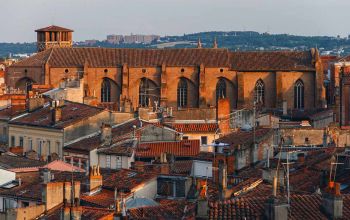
(234, 40)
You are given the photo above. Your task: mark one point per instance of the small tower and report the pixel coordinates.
(215, 44)
(53, 36)
(199, 43)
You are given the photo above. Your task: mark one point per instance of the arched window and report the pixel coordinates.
(182, 93)
(144, 93)
(106, 91)
(220, 89)
(299, 94)
(259, 92)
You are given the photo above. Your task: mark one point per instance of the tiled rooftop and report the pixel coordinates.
(53, 28)
(112, 57)
(166, 210)
(124, 179)
(72, 112)
(184, 148)
(195, 127)
(10, 162)
(124, 148)
(302, 207)
(120, 132)
(244, 137)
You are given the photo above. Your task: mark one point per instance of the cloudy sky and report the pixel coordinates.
(94, 19)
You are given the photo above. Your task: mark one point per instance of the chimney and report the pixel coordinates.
(56, 115)
(139, 166)
(35, 103)
(222, 179)
(45, 174)
(223, 111)
(67, 193)
(52, 194)
(95, 179)
(202, 208)
(276, 208)
(106, 134)
(332, 201)
(301, 158)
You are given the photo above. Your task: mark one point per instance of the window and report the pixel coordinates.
(49, 147)
(13, 139)
(182, 93)
(259, 92)
(39, 146)
(21, 141)
(185, 138)
(25, 204)
(58, 146)
(119, 162)
(30, 144)
(4, 131)
(299, 95)
(204, 140)
(106, 91)
(108, 161)
(144, 92)
(220, 89)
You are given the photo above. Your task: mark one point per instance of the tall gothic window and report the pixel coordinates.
(144, 93)
(220, 89)
(106, 91)
(299, 94)
(182, 93)
(259, 92)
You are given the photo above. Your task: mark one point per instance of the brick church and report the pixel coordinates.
(178, 78)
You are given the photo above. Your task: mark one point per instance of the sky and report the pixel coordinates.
(94, 19)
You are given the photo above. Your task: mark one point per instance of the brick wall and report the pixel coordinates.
(201, 80)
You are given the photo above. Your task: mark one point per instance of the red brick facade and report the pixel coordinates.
(164, 68)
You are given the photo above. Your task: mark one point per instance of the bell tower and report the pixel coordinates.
(52, 37)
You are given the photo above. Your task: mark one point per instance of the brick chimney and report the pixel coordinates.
(223, 111)
(35, 103)
(276, 208)
(95, 179)
(56, 115)
(52, 194)
(106, 134)
(332, 201)
(202, 208)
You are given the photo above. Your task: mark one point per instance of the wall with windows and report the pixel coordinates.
(205, 138)
(201, 84)
(42, 141)
(115, 161)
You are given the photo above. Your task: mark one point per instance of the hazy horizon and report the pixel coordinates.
(94, 19)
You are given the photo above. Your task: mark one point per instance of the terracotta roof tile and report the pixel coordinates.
(302, 207)
(167, 210)
(124, 179)
(114, 57)
(244, 137)
(53, 28)
(184, 148)
(272, 60)
(72, 112)
(102, 199)
(10, 162)
(121, 132)
(124, 148)
(195, 127)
